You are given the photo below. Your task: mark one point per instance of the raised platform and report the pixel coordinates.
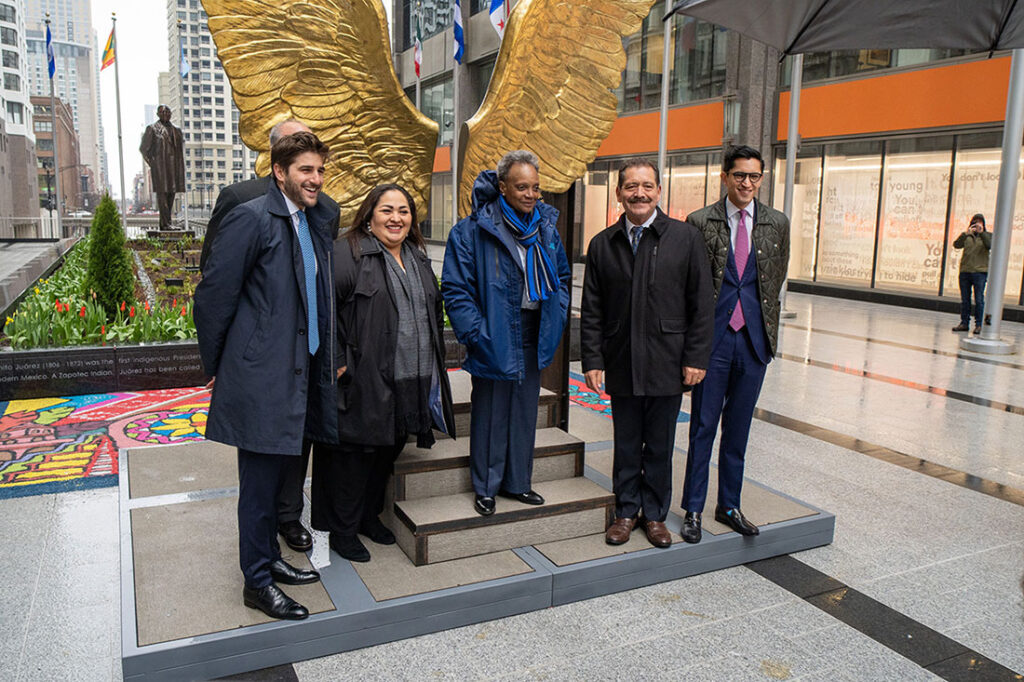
(182, 616)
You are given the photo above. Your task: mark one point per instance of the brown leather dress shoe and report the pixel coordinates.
(618, 532)
(658, 534)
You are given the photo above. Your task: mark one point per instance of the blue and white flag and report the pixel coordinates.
(183, 66)
(51, 61)
(499, 16)
(460, 40)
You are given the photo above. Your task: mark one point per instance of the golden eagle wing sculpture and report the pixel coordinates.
(551, 91)
(328, 64)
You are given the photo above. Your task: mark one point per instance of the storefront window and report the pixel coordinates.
(975, 184)
(595, 202)
(915, 189)
(687, 185)
(806, 199)
(848, 213)
(714, 185)
(439, 222)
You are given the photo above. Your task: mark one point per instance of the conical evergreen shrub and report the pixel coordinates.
(109, 272)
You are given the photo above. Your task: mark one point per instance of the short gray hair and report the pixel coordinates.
(275, 132)
(514, 158)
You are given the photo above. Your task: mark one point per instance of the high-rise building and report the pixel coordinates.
(76, 80)
(19, 139)
(74, 186)
(214, 153)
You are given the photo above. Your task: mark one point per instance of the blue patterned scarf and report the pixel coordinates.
(540, 271)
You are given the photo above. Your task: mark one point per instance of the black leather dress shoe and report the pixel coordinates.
(377, 531)
(273, 602)
(349, 547)
(484, 505)
(735, 519)
(295, 534)
(283, 572)
(691, 528)
(529, 497)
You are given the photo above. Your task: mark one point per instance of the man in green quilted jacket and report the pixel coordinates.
(748, 245)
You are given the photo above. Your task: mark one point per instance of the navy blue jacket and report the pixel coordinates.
(482, 284)
(250, 314)
(743, 289)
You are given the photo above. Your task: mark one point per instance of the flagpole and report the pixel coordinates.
(457, 23)
(120, 140)
(56, 136)
(181, 111)
(419, 40)
(666, 66)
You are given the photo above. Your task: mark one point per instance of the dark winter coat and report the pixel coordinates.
(770, 242)
(482, 282)
(250, 316)
(644, 318)
(367, 334)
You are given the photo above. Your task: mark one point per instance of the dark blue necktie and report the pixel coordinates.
(637, 231)
(309, 265)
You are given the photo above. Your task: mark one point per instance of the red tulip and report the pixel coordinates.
(147, 306)
(81, 313)
(131, 312)
(174, 304)
(184, 310)
(57, 304)
(122, 306)
(103, 334)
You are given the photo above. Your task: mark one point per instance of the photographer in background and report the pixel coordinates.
(976, 242)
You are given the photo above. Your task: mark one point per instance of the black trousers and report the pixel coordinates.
(645, 435)
(289, 501)
(349, 482)
(260, 480)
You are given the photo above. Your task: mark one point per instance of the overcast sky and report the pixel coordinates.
(141, 55)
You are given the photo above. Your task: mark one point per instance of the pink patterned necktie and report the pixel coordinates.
(740, 253)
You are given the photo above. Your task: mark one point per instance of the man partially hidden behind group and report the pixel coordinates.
(289, 509)
(748, 245)
(163, 148)
(645, 333)
(266, 335)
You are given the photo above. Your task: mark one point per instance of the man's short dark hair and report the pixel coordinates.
(740, 152)
(290, 146)
(637, 162)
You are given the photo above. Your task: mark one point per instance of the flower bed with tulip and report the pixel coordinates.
(60, 312)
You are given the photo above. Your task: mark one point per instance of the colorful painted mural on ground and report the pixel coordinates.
(50, 445)
(56, 444)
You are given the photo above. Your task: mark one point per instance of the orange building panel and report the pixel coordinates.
(689, 127)
(961, 94)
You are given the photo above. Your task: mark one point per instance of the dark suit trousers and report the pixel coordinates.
(645, 436)
(289, 502)
(503, 427)
(260, 479)
(349, 482)
(729, 392)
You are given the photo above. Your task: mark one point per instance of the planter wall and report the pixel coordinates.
(76, 371)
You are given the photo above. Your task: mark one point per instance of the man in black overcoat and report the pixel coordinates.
(289, 510)
(264, 316)
(645, 333)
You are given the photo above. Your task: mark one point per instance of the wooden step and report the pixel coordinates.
(462, 388)
(435, 529)
(444, 468)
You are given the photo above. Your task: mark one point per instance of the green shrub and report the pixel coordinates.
(110, 273)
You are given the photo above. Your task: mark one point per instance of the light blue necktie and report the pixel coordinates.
(309, 264)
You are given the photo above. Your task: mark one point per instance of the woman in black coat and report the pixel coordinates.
(390, 355)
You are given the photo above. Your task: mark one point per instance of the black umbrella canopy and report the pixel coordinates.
(800, 26)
